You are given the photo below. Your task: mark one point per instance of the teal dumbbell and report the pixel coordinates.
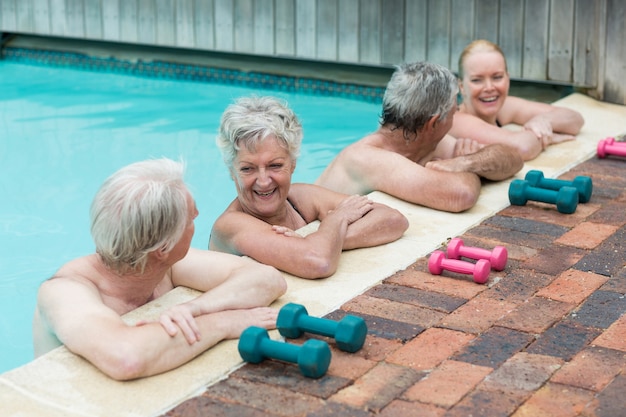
(566, 198)
(582, 183)
(313, 357)
(349, 333)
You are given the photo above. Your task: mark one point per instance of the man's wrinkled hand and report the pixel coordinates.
(180, 317)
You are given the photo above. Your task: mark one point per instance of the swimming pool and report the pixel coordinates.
(63, 131)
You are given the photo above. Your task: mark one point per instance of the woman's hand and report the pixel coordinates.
(353, 208)
(541, 127)
(282, 230)
(466, 146)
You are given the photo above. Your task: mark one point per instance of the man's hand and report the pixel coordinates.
(240, 320)
(179, 317)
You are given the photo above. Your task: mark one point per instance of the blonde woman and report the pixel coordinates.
(486, 106)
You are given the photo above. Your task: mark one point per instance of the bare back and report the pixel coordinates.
(369, 165)
(434, 170)
(86, 283)
(372, 164)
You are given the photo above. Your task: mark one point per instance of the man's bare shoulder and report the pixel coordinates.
(360, 153)
(78, 273)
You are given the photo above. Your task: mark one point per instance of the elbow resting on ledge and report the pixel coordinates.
(123, 363)
(316, 265)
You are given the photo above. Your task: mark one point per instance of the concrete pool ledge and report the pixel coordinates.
(62, 384)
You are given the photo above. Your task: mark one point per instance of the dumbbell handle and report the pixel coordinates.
(609, 146)
(553, 183)
(278, 350)
(557, 197)
(456, 265)
(498, 256)
(474, 253)
(583, 184)
(317, 325)
(541, 194)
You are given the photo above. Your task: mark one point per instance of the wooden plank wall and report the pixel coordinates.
(577, 42)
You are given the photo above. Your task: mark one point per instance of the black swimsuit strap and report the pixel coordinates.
(296, 209)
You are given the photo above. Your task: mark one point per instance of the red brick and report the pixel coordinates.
(614, 337)
(410, 409)
(555, 400)
(480, 403)
(477, 315)
(377, 348)
(592, 369)
(519, 252)
(438, 283)
(555, 259)
(447, 384)
(265, 397)
(203, 406)
(348, 365)
(378, 387)
(609, 402)
(547, 213)
(536, 315)
(522, 372)
(587, 235)
(612, 213)
(393, 310)
(430, 348)
(573, 286)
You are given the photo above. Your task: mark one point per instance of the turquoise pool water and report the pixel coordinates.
(63, 131)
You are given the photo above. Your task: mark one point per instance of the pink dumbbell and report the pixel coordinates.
(609, 146)
(438, 262)
(497, 257)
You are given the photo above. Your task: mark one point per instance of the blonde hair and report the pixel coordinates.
(479, 45)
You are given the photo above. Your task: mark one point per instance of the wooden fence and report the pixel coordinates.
(576, 42)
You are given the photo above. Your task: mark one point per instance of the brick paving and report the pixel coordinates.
(544, 337)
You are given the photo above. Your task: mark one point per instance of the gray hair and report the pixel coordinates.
(415, 93)
(140, 208)
(250, 120)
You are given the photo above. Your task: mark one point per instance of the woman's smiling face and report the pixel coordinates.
(263, 177)
(485, 84)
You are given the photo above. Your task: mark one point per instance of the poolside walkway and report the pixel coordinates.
(544, 337)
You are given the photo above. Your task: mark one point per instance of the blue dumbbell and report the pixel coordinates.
(349, 333)
(582, 183)
(566, 198)
(313, 357)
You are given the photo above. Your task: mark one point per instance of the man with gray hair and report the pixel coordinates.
(411, 157)
(142, 222)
